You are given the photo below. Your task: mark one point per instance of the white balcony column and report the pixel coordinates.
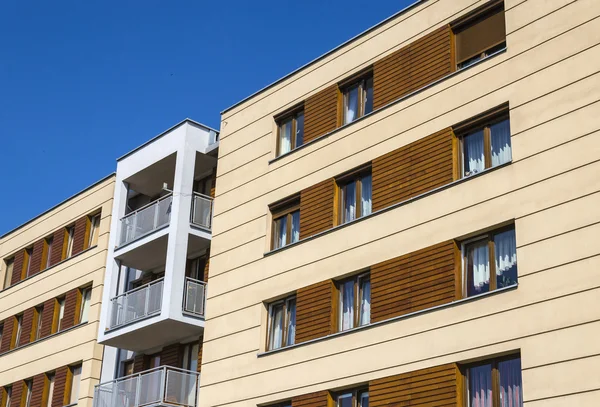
(178, 232)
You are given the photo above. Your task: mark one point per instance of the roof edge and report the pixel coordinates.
(113, 174)
(326, 54)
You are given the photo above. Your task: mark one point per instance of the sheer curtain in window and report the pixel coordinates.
(501, 147)
(511, 392)
(291, 331)
(349, 199)
(347, 305)
(285, 137)
(505, 247)
(365, 195)
(480, 386)
(281, 232)
(365, 302)
(276, 339)
(478, 268)
(474, 160)
(295, 226)
(351, 106)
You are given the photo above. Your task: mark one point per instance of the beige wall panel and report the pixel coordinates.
(238, 168)
(517, 17)
(218, 327)
(569, 377)
(554, 221)
(533, 289)
(247, 341)
(239, 235)
(358, 235)
(588, 399)
(551, 78)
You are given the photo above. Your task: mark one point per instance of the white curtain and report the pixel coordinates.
(281, 232)
(276, 338)
(365, 195)
(351, 107)
(300, 129)
(285, 137)
(505, 247)
(501, 147)
(295, 226)
(474, 160)
(347, 305)
(349, 192)
(480, 386)
(365, 303)
(479, 267)
(511, 392)
(291, 333)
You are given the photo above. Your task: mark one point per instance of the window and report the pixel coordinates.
(190, 356)
(47, 253)
(354, 302)
(7, 394)
(128, 368)
(19, 327)
(28, 388)
(27, 261)
(93, 231)
(357, 99)
(1, 332)
(290, 131)
(153, 361)
(37, 323)
(485, 145)
(84, 308)
(501, 246)
(354, 196)
(69, 237)
(49, 390)
(282, 323)
(286, 223)
(480, 34)
(195, 268)
(494, 383)
(355, 398)
(9, 270)
(61, 314)
(72, 386)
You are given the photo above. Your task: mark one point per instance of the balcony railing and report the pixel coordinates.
(162, 386)
(202, 210)
(136, 304)
(195, 296)
(146, 219)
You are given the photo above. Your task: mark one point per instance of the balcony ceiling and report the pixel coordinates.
(148, 256)
(150, 180)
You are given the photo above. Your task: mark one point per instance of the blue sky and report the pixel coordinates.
(83, 82)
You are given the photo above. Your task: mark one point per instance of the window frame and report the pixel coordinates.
(354, 393)
(48, 393)
(464, 369)
(345, 180)
(38, 313)
(286, 320)
(292, 114)
(82, 303)
(47, 253)
(360, 80)
(9, 265)
(70, 381)
(57, 319)
(27, 255)
(18, 330)
(489, 237)
(69, 238)
(356, 291)
(7, 395)
(190, 354)
(28, 387)
(280, 210)
(93, 222)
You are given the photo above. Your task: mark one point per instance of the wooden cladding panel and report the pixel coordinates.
(412, 67)
(18, 267)
(436, 386)
(17, 394)
(320, 113)
(317, 208)
(200, 354)
(36, 257)
(416, 281)
(7, 334)
(318, 399)
(26, 326)
(139, 363)
(60, 384)
(47, 317)
(171, 355)
(413, 169)
(57, 246)
(70, 315)
(37, 391)
(79, 235)
(213, 182)
(3, 396)
(315, 311)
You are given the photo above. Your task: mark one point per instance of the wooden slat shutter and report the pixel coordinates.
(317, 208)
(70, 314)
(200, 353)
(48, 317)
(60, 384)
(79, 236)
(36, 257)
(412, 67)
(415, 281)
(315, 311)
(37, 392)
(486, 31)
(26, 326)
(171, 355)
(17, 394)
(320, 113)
(436, 386)
(18, 265)
(411, 170)
(7, 334)
(318, 399)
(57, 246)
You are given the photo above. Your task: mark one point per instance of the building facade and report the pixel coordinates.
(152, 318)
(412, 218)
(52, 273)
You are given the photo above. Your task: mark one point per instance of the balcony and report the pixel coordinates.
(195, 297)
(162, 386)
(145, 220)
(136, 304)
(202, 211)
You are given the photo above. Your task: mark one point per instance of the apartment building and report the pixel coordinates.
(412, 218)
(152, 318)
(51, 274)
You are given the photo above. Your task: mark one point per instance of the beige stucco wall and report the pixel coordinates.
(78, 344)
(550, 75)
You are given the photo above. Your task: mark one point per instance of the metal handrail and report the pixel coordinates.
(196, 198)
(185, 296)
(123, 378)
(121, 309)
(149, 204)
(158, 280)
(202, 195)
